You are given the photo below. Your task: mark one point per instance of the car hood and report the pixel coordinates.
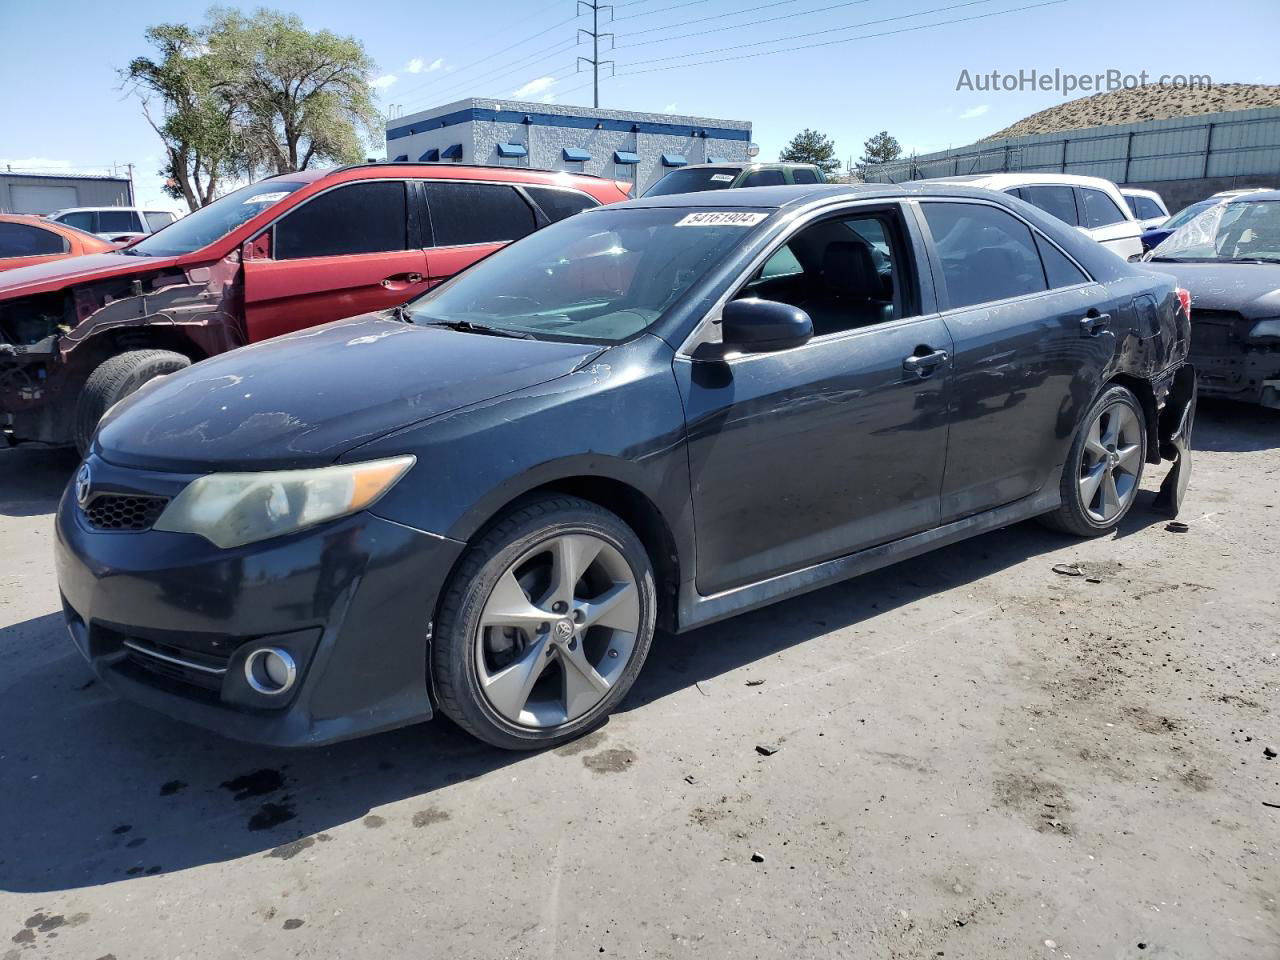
(1251, 289)
(305, 398)
(56, 274)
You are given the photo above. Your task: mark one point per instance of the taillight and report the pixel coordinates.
(1184, 297)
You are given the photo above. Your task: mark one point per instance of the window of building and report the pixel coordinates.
(986, 253)
(463, 213)
(357, 218)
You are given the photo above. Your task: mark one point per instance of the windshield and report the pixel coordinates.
(1187, 214)
(598, 277)
(201, 228)
(693, 181)
(1240, 231)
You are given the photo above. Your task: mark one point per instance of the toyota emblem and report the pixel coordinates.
(83, 479)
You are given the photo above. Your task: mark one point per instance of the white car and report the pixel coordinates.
(1093, 205)
(115, 223)
(1147, 205)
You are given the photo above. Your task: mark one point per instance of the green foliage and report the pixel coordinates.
(246, 96)
(881, 148)
(810, 146)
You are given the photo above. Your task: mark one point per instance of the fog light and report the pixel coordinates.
(270, 670)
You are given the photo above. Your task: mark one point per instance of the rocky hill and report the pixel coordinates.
(1140, 104)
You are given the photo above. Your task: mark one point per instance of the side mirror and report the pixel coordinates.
(758, 326)
(1135, 257)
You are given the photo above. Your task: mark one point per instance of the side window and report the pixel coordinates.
(1148, 209)
(1058, 202)
(1099, 209)
(1059, 270)
(357, 218)
(803, 176)
(23, 240)
(118, 221)
(158, 219)
(1132, 204)
(463, 213)
(987, 254)
(845, 273)
(764, 178)
(83, 219)
(559, 204)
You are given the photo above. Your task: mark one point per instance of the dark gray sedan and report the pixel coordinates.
(655, 414)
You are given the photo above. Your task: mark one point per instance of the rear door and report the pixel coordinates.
(1108, 223)
(1025, 362)
(467, 221)
(352, 249)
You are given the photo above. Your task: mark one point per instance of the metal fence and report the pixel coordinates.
(1239, 143)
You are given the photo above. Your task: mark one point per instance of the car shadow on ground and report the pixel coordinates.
(100, 791)
(1231, 427)
(32, 478)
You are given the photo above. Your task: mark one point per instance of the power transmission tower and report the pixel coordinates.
(595, 6)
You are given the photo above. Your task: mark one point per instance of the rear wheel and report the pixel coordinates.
(545, 625)
(113, 380)
(1104, 469)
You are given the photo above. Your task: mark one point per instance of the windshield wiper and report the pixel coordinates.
(467, 326)
(1255, 259)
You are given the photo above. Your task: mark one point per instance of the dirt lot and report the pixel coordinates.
(976, 758)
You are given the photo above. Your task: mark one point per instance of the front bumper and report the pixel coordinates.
(167, 619)
(1235, 370)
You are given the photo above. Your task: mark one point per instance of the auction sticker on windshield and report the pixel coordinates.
(721, 218)
(722, 178)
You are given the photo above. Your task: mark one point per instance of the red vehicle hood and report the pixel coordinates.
(57, 274)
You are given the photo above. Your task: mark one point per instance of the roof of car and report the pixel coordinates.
(1138, 192)
(999, 181)
(1254, 197)
(58, 213)
(801, 194)
(745, 164)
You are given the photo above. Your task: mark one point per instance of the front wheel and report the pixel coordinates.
(113, 380)
(545, 624)
(1104, 468)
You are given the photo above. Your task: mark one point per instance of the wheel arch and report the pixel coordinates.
(591, 480)
(1146, 395)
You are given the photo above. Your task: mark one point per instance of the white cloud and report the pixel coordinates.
(977, 111)
(535, 87)
(384, 81)
(418, 65)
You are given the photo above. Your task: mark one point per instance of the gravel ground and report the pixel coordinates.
(976, 757)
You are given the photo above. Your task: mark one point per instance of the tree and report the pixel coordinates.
(240, 97)
(182, 100)
(810, 146)
(301, 97)
(881, 148)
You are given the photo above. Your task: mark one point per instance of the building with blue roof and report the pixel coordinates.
(620, 144)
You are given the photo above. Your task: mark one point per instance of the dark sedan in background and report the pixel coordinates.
(652, 415)
(1229, 258)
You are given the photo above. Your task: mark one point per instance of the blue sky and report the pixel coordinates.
(63, 109)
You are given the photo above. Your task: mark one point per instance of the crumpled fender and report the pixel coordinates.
(1176, 421)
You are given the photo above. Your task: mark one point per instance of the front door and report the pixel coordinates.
(350, 250)
(819, 451)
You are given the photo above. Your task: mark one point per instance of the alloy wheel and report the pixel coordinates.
(1111, 463)
(557, 631)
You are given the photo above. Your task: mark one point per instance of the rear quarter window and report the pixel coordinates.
(558, 204)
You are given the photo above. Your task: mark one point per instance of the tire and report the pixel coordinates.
(113, 380)
(1089, 511)
(471, 661)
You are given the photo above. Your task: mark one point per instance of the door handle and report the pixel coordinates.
(923, 364)
(402, 278)
(1093, 323)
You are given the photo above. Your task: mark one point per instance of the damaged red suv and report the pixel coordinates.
(290, 252)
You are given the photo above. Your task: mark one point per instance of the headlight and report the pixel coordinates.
(1265, 331)
(232, 509)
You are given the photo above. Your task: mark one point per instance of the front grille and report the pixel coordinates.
(112, 511)
(174, 663)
